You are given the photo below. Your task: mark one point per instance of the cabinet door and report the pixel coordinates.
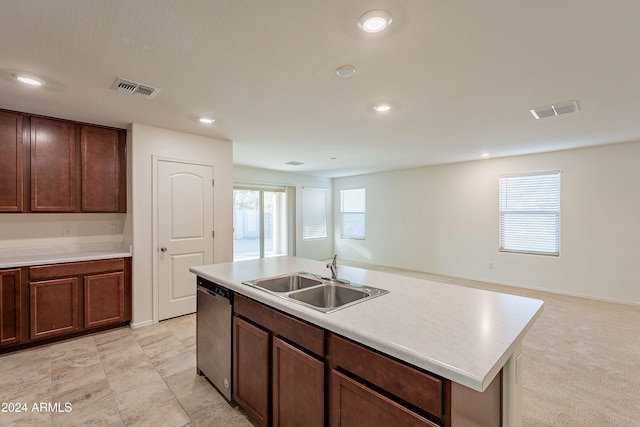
(354, 404)
(103, 170)
(10, 306)
(251, 370)
(298, 387)
(104, 301)
(11, 167)
(53, 166)
(53, 307)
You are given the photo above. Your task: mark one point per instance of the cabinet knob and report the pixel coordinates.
(163, 249)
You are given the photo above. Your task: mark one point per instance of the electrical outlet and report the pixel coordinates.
(112, 229)
(66, 231)
(490, 266)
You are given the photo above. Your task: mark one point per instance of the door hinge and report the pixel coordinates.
(213, 234)
(213, 182)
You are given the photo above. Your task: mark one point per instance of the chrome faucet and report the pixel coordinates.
(333, 266)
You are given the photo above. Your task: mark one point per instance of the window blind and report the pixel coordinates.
(314, 213)
(530, 213)
(352, 213)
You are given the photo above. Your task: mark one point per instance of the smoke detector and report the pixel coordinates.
(129, 86)
(554, 110)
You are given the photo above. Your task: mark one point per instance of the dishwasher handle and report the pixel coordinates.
(217, 293)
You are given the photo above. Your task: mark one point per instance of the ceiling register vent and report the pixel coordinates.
(555, 110)
(129, 86)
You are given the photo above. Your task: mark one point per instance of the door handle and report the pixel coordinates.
(163, 249)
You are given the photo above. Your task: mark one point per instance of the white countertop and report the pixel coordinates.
(23, 257)
(463, 334)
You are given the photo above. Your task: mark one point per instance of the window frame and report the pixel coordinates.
(261, 190)
(363, 213)
(548, 214)
(306, 193)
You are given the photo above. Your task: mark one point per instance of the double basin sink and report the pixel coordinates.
(320, 293)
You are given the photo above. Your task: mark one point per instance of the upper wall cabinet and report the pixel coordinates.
(53, 166)
(11, 163)
(50, 165)
(103, 169)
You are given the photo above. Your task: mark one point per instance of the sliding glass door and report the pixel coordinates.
(259, 222)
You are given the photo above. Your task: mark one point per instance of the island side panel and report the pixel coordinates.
(512, 389)
(471, 408)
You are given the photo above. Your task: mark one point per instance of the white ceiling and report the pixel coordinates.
(463, 75)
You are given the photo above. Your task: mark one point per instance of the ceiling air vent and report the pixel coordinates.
(555, 110)
(130, 86)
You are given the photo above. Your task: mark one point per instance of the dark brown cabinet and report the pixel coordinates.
(103, 169)
(53, 307)
(77, 296)
(421, 390)
(251, 370)
(46, 303)
(10, 307)
(288, 372)
(52, 165)
(278, 366)
(298, 387)
(11, 162)
(354, 404)
(104, 299)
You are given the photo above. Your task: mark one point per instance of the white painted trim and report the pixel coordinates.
(141, 324)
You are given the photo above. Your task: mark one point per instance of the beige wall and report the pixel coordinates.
(30, 230)
(146, 142)
(444, 220)
(315, 248)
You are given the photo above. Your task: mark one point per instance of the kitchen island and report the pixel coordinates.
(468, 336)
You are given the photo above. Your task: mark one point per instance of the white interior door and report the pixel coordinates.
(185, 233)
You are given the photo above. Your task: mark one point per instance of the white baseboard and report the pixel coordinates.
(141, 324)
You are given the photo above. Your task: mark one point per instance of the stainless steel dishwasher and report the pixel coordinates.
(213, 331)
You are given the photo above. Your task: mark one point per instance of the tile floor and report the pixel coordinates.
(123, 377)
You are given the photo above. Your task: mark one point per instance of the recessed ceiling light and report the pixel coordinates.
(206, 120)
(28, 80)
(294, 163)
(345, 71)
(382, 108)
(374, 21)
(485, 155)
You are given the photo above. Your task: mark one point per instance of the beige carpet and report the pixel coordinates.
(582, 364)
(581, 360)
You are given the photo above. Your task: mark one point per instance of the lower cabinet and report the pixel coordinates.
(288, 372)
(10, 307)
(58, 300)
(251, 370)
(53, 307)
(278, 377)
(354, 404)
(298, 387)
(104, 299)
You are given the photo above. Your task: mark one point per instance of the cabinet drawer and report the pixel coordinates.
(354, 404)
(75, 269)
(407, 383)
(297, 331)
